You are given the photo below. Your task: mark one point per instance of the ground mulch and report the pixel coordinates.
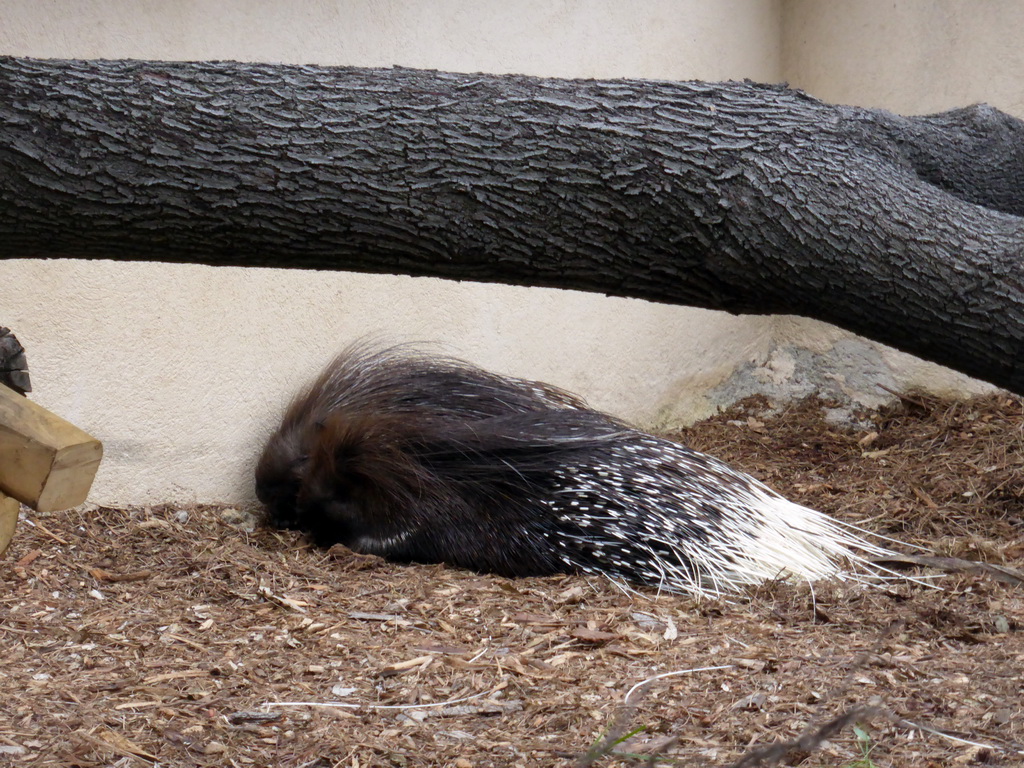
(172, 635)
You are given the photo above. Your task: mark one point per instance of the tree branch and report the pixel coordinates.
(734, 196)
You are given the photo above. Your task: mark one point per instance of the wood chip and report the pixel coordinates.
(593, 635)
(420, 662)
(286, 602)
(260, 718)
(361, 616)
(101, 575)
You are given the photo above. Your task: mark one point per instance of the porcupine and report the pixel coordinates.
(423, 460)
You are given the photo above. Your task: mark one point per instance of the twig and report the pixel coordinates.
(1001, 573)
(808, 741)
(345, 705)
(678, 672)
(617, 731)
(616, 734)
(43, 529)
(1015, 749)
(904, 397)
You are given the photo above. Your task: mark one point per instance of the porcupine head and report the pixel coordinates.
(361, 486)
(280, 472)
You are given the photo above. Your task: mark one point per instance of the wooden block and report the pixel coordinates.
(8, 520)
(45, 462)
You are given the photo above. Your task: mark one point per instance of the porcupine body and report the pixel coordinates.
(537, 484)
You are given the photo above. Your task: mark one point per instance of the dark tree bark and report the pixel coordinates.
(735, 196)
(13, 365)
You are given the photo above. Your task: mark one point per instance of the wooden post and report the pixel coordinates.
(45, 462)
(8, 520)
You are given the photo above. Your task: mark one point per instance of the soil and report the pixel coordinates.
(174, 636)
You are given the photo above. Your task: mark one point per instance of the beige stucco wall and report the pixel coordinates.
(911, 57)
(181, 370)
